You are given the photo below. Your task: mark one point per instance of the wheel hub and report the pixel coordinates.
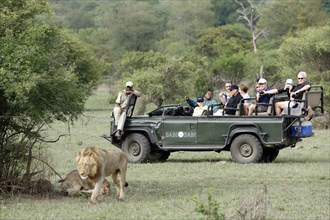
(134, 149)
(246, 150)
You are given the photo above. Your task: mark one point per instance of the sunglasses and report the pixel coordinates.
(301, 78)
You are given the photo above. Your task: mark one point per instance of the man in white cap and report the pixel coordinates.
(287, 89)
(263, 100)
(119, 111)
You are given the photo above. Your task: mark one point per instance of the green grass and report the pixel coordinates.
(298, 181)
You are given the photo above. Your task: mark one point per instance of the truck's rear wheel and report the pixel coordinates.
(137, 148)
(246, 148)
(269, 155)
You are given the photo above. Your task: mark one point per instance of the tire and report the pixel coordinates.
(158, 156)
(246, 148)
(137, 148)
(269, 155)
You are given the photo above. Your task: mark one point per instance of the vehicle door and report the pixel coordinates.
(212, 130)
(177, 130)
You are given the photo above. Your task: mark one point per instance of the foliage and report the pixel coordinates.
(206, 33)
(210, 209)
(187, 20)
(288, 17)
(136, 32)
(309, 52)
(225, 12)
(226, 46)
(146, 68)
(45, 75)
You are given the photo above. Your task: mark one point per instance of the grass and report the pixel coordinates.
(297, 182)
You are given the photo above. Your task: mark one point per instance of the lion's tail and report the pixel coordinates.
(126, 184)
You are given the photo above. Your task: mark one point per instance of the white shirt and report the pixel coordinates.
(198, 111)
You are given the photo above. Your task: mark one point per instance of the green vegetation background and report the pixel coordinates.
(174, 48)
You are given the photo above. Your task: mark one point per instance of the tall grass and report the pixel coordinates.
(297, 182)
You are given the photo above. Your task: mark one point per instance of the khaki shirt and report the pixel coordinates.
(122, 99)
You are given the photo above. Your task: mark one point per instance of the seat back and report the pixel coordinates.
(238, 110)
(314, 98)
(131, 105)
(270, 108)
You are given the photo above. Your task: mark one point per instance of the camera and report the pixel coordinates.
(261, 92)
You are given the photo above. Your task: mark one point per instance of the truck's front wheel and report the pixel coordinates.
(137, 148)
(246, 148)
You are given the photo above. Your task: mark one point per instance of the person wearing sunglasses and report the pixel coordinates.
(295, 94)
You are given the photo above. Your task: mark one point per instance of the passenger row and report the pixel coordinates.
(290, 100)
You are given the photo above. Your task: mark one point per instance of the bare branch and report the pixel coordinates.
(48, 166)
(263, 32)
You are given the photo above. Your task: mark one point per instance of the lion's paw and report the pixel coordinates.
(92, 201)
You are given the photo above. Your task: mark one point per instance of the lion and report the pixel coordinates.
(74, 185)
(96, 164)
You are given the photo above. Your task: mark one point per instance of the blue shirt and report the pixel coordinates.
(264, 99)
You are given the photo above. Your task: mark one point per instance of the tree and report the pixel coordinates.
(44, 76)
(186, 22)
(132, 25)
(160, 78)
(227, 47)
(309, 52)
(288, 17)
(225, 12)
(251, 15)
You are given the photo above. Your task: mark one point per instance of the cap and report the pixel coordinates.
(262, 81)
(289, 81)
(200, 99)
(129, 84)
(233, 87)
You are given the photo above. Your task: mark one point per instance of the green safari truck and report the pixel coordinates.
(171, 128)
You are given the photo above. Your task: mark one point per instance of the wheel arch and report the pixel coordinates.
(239, 129)
(147, 131)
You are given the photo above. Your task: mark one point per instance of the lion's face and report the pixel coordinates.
(86, 165)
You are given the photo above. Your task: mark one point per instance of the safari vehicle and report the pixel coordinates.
(250, 139)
